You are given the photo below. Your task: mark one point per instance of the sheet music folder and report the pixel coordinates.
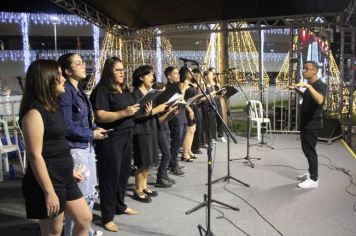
(167, 94)
(149, 96)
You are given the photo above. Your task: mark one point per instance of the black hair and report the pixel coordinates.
(196, 71)
(183, 71)
(169, 70)
(314, 64)
(107, 78)
(40, 83)
(140, 72)
(65, 62)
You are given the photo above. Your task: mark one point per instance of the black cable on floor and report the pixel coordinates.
(254, 208)
(331, 166)
(343, 170)
(228, 220)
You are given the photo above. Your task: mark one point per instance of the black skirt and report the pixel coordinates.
(145, 150)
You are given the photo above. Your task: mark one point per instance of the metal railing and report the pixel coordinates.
(281, 106)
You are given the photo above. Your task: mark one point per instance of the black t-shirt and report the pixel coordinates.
(312, 113)
(180, 118)
(102, 99)
(143, 124)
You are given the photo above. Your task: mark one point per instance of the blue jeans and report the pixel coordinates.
(84, 160)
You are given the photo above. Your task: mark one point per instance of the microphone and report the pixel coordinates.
(231, 69)
(185, 60)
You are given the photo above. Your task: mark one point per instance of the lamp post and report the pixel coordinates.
(55, 21)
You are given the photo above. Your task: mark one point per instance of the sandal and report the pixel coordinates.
(193, 156)
(186, 159)
(141, 197)
(111, 226)
(150, 192)
(130, 211)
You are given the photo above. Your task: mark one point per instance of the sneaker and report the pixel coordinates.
(177, 172)
(98, 233)
(172, 181)
(309, 183)
(303, 177)
(222, 139)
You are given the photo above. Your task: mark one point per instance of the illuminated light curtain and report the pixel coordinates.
(25, 42)
(96, 33)
(159, 58)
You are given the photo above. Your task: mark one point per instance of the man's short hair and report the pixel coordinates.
(314, 64)
(169, 70)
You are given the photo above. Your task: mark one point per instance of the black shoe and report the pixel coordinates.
(178, 166)
(150, 192)
(141, 197)
(178, 172)
(197, 152)
(163, 183)
(172, 181)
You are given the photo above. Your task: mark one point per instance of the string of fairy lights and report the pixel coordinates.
(149, 48)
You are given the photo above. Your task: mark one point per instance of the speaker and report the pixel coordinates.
(331, 129)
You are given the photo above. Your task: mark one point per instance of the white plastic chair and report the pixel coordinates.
(5, 149)
(257, 119)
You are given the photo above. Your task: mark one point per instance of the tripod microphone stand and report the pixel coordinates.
(247, 158)
(207, 197)
(228, 176)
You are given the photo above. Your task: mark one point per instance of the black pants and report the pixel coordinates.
(199, 129)
(309, 139)
(114, 156)
(209, 124)
(177, 133)
(164, 146)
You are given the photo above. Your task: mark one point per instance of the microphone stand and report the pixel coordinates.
(207, 197)
(265, 127)
(228, 176)
(248, 108)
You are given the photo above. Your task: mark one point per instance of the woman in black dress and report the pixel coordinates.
(145, 133)
(48, 186)
(187, 154)
(114, 108)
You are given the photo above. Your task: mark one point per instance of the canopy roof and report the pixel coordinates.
(140, 14)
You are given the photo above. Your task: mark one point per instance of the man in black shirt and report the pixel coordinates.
(311, 120)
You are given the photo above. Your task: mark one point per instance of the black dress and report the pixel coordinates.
(209, 118)
(56, 154)
(189, 93)
(145, 139)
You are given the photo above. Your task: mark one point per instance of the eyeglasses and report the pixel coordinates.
(123, 70)
(80, 64)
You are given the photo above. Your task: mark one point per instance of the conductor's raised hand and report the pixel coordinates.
(131, 110)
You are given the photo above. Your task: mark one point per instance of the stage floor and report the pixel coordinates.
(272, 200)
